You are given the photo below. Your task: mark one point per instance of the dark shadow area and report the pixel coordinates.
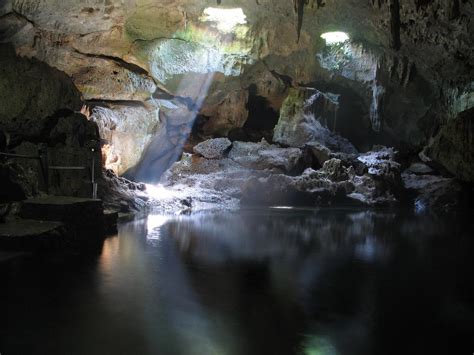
(260, 123)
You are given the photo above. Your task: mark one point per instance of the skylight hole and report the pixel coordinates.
(337, 37)
(225, 20)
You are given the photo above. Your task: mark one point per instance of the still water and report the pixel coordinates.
(267, 281)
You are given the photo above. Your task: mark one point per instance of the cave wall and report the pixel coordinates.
(406, 73)
(39, 116)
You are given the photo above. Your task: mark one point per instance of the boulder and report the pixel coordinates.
(120, 194)
(419, 168)
(213, 148)
(265, 156)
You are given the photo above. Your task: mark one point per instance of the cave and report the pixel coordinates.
(236, 177)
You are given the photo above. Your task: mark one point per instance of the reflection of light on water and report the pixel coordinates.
(154, 224)
(316, 345)
(108, 257)
(282, 207)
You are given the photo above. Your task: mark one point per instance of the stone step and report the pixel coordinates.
(72, 211)
(27, 234)
(82, 217)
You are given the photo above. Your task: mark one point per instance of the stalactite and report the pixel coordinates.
(378, 92)
(298, 7)
(394, 7)
(453, 9)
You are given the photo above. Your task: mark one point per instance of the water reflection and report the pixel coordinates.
(251, 282)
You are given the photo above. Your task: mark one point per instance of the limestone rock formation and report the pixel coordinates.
(30, 91)
(435, 192)
(262, 156)
(154, 73)
(304, 118)
(259, 173)
(125, 131)
(453, 147)
(213, 148)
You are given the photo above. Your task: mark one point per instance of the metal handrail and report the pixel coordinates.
(39, 157)
(11, 155)
(66, 167)
(44, 167)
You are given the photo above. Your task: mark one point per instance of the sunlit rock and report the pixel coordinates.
(302, 117)
(126, 131)
(351, 61)
(151, 22)
(120, 194)
(229, 113)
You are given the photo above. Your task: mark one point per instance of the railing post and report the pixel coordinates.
(93, 183)
(43, 160)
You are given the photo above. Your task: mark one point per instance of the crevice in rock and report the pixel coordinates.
(19, 15)
(129, 66)
(101, 102)
(261, 120)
